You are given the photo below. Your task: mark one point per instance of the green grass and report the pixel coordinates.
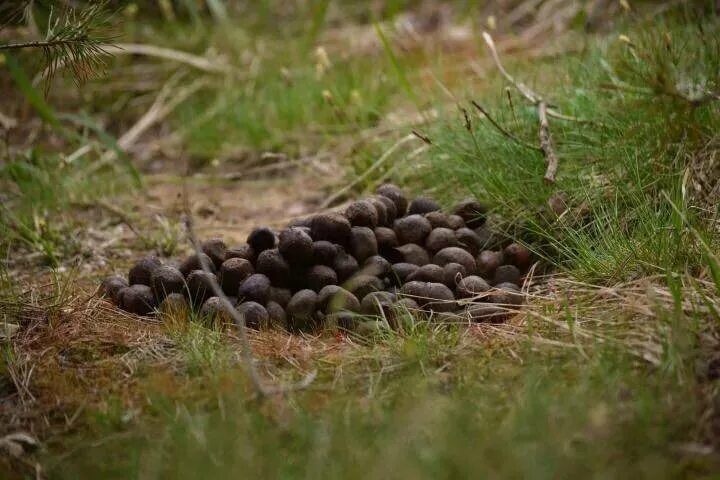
(627, 171)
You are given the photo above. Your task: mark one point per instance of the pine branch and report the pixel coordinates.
(75, 40)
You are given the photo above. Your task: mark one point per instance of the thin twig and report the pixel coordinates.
(503, 131)
(546, 143)
(526, 92)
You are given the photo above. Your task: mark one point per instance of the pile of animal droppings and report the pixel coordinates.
(384, 257)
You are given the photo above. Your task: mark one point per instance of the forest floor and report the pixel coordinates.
(611, 368)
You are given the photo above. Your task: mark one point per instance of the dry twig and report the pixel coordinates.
(543, 109)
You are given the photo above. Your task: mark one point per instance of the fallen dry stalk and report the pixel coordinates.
(543, 110)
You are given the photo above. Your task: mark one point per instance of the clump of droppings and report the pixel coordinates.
(518, 255)
(362, 213)
(472, 212)
(212, 308)
(324, 253)
(232, 272)
(332, 227)
(469, 240)
(300, 222)
(333, 298)
(412, 229)
(261, 239)
(296, 246)
(427, 273)
(380, 209)
(271, 264)
(319, 276)
(345, 266)
(141, 272)
(166, 280)
(390, 209)
(455, 255)
(111, 287)
(361, 285)
(418, 291)
(362, 243)
(401, 271)
(480, 312)
(344, 320)
(192, 263)
(281, 296)
(438, 219)
(376, 266)
(302, 307)
(276, 315)
(507, 274)
(255, 315)
(422, 205)
(506, 294)
(412, 253)
(385, 238)
(216, 249)
(396, 195)
(452, 274)
(455, 222)
(440, 238)
(241, 251)
(137, 299)
(199, 285)
(377, 303)
(488, 261)
(255, 288)
(472, 286)
(440, 298)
